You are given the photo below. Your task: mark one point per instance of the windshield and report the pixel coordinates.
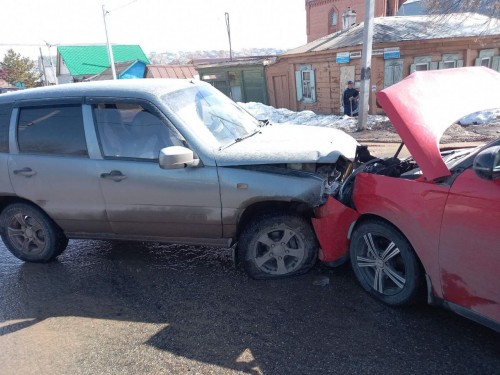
(203, 107)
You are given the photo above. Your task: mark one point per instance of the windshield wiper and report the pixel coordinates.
(239, 139)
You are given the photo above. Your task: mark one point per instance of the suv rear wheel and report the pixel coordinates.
(277, 245)
(31, 235)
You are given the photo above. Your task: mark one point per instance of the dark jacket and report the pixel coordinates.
(350, 105)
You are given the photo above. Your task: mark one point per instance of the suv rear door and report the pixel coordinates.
(143, 200)
(49, 164)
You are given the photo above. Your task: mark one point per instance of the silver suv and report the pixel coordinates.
(162, 160)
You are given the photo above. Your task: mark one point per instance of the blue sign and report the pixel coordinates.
(391, 53)
(342, 58)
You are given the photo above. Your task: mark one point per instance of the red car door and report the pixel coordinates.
(469, 250)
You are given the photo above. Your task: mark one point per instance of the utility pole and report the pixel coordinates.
(366, 64)
(45, 80)
(229, 36)
(51, 63)
(110, 51)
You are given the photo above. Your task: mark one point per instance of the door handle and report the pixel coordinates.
(26, 172)
(114, 175)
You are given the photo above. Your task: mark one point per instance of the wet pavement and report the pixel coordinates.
(137, 308)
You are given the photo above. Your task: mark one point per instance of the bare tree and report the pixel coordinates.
(489, 8)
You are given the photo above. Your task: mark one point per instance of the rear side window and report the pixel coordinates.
(54, 130)
(4, 129)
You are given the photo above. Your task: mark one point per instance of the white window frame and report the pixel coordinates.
(488, 56)
(426, 65)
(306, 87)
(448, 62)
(426, 61)
(487, 59)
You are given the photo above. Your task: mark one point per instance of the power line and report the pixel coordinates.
(23, 44)
(122, 6)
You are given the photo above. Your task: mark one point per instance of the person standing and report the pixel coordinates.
(350, 99)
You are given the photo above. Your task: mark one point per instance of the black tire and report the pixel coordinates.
(385, 264)
(30, 234)
(277, 245)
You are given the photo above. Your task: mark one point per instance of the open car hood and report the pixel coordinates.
(422, 106)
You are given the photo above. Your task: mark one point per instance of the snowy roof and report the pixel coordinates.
(247, 61)
(398, 29)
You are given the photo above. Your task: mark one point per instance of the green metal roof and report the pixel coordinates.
(91, 60)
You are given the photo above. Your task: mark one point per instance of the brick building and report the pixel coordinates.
(313, 76)
(328, 16)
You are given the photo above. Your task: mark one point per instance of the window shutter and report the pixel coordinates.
(477, 62)
(397, 72)
(412, 68)
(388, 76)
(495, 63)
(313, 86)
(433, 65)
(460, 63)
(298, 84)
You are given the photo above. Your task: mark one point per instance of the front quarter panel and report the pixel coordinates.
(242, 187)
(415, 207)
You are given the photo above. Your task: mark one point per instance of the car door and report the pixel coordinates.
(143, 200)
(49, 165)
(469, 251)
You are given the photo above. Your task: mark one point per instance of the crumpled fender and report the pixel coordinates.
(331, 225)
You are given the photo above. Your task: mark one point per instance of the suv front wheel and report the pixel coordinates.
(277, 245)
(30, 235)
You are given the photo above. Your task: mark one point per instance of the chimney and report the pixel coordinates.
(348, 18)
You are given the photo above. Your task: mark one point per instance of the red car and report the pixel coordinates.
(432, 221)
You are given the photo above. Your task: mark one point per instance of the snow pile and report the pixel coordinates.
(346, 123)
(285, 116)
(480, 117)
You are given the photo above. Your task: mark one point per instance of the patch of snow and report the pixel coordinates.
(286, 116)
(346, 123)
(480, 117)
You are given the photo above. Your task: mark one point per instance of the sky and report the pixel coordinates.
(156, 25)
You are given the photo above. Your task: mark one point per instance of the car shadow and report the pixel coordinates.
(215, 314)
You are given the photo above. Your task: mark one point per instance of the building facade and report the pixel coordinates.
(243, 80)
(314, 76)
(324, 17)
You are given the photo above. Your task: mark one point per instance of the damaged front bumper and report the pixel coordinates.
(332, 225)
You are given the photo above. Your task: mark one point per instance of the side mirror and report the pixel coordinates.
(174, 157)
(487, 163)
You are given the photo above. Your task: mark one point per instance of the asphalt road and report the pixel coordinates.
(135, 308)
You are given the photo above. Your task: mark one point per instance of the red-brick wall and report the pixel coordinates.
(328, 72)
(318, 14)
